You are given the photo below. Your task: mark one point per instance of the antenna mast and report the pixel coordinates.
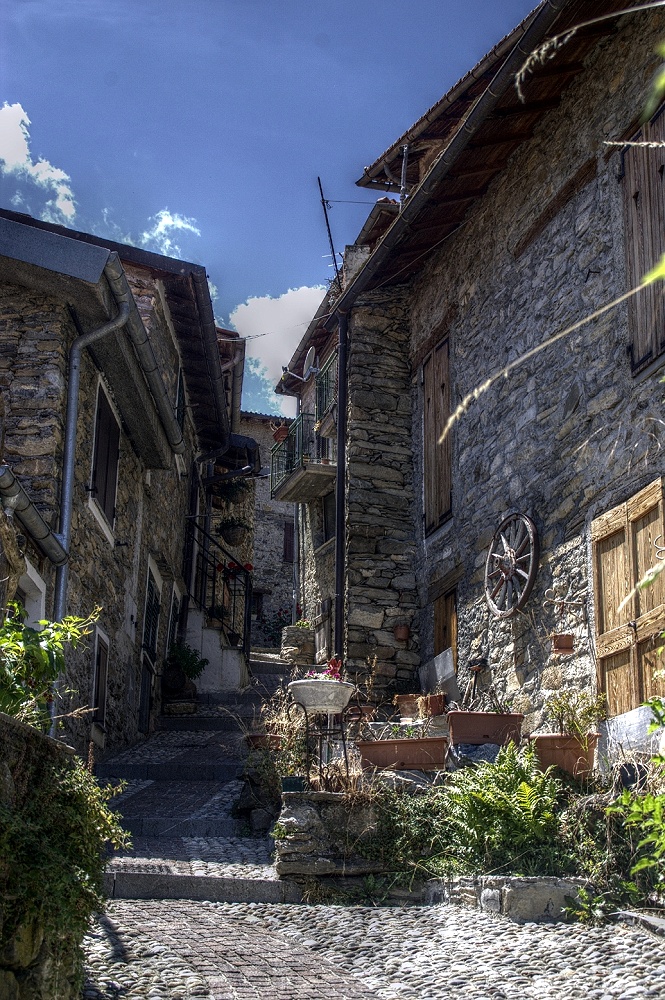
(326, 206)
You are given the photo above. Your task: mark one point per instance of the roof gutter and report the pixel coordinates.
(484, 106)
(17, 501)
(213, 361)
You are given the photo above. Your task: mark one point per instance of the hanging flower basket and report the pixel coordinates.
(321, 695)
(233, 534)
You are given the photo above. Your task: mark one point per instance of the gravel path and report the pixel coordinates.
(229, 951)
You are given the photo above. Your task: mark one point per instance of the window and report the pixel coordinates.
(437, 455)
(105, 458)
(174, 618)
(101, 676)
(445, 624)
(329, 520)
(257, 604)
(289, 536)
(153, 599)
(625, 546)
(644, 210)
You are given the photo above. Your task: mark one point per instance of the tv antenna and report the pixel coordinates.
(308, 369)
(326, 206)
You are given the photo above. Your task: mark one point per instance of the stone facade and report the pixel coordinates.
(273, 573)
(109, 560)
(567, 435)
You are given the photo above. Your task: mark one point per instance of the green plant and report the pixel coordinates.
(576, 713)
(53, 847)
(303, 623)
(183, 657)
(31, 661)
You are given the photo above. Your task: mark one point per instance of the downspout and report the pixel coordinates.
(17, 500)
(340, 484)
(296, 591)
(68, 461)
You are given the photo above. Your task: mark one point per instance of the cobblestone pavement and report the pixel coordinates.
(238, 857)
(191, 746)
(225, 951)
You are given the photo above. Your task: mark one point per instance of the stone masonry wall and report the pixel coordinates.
(381, 582)
(570, 433)
(151, 504)
(273, 576)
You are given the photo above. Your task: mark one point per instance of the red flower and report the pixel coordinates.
(248, 567)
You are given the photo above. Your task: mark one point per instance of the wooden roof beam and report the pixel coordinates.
(506, 140)
(477, 171)
(529, 108)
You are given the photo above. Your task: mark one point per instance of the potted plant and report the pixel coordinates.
(183, 666)
(280, 431)
(407, 705)
(323, 691)
(403, 748)
(430, 705)
(572, 747)
(232, 530)
(478, 728)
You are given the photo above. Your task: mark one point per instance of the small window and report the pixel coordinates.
(153, 599)
(437, 453)
(329, 520)
(105, 459)
(101, 678)
(644, 214)
(289, 536)
(629, 619)
(174, 619)
(257, 604)
(445, 624)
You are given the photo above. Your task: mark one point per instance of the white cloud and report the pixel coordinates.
(283, 320)
(16, 160)
(160, 236)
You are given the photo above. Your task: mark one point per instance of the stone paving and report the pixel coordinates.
(178, 948)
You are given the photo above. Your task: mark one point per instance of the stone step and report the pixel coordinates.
(160, 827)
(270, 667)
(170, 770)
(199, 723)
(215, 889)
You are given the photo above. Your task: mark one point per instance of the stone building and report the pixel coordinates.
(524, 213)
(274, 542)
(118, 396)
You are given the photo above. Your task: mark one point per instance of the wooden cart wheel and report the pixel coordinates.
(512, 564)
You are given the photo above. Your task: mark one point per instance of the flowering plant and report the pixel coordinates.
(333, 671)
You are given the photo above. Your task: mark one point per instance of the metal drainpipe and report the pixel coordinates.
(67, 492)
(296, 545)
(340, 512)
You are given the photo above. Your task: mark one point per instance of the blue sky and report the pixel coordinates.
(198, 128)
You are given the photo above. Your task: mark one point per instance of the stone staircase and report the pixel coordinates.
(181, 786)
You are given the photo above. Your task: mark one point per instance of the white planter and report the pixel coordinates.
(321, 695)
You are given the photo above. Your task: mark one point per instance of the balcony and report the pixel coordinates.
(302, 467)
(326, 398)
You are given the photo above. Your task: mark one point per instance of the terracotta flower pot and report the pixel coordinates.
(264, 741)
(407, 705)
(479, 728)
(320, 695)
(426, 754)
(280, 434)
(433, 704)
(401, 632)
(571, 753)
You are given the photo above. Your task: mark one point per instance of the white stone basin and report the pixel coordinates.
(317, 695)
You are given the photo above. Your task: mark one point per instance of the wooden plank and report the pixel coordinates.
(613, 581)
(616, 672)
(650, 664)
(445, 624)
(609, 522)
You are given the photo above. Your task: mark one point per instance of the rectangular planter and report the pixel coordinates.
(571, 754)
(427, 754)
(479, 728)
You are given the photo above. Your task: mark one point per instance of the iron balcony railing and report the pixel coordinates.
(222, 587)
(298, 448)
(326, 386)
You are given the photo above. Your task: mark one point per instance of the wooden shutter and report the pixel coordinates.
(629, 620)
(151, 619)
(289, 536)
(644, 210)
(437, 456)
(105, 462)
(445, 624)
(174, 619)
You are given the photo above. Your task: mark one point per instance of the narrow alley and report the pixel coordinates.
(197, 910)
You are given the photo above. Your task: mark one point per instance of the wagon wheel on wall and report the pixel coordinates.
(512, 564)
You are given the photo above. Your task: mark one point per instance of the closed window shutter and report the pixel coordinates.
(288, 541)
(151, 621)
(644, 210)
(437, 455)
(445, 624)
(629, 619)
(105, 463)
(174, 620)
